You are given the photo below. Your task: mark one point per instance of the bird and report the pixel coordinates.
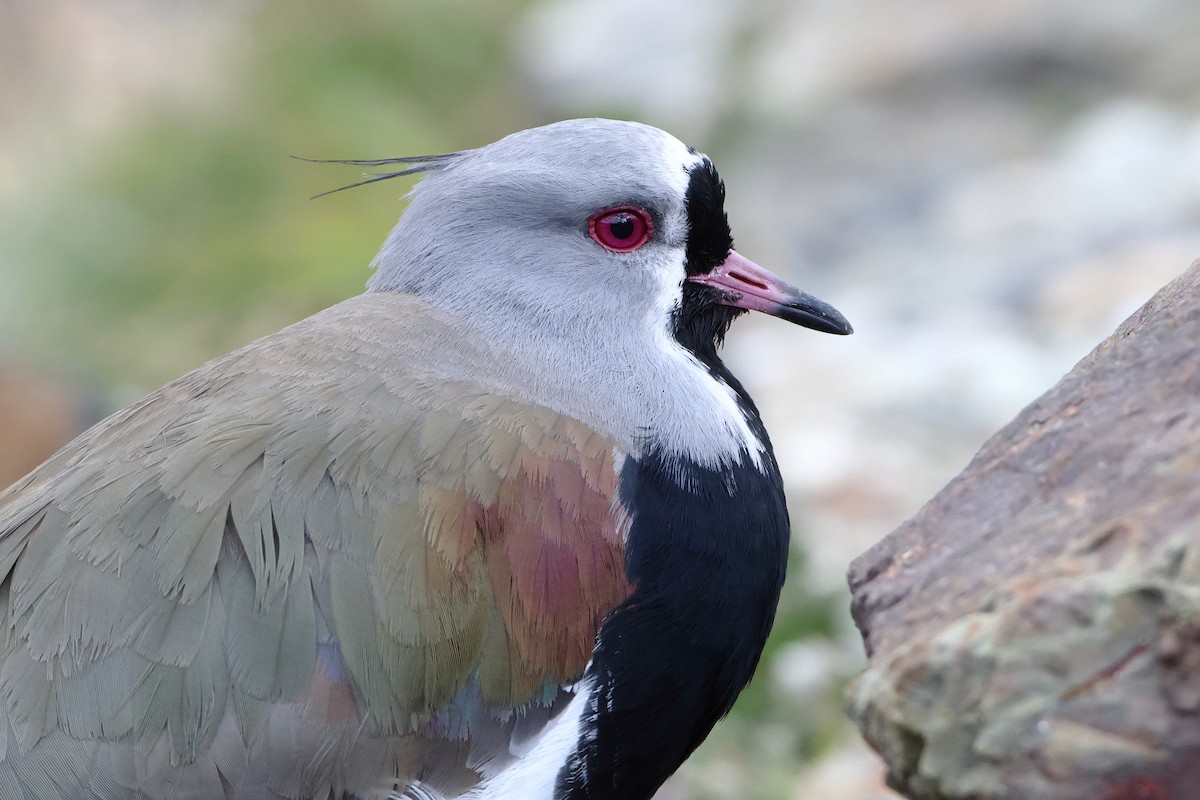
(502, 527)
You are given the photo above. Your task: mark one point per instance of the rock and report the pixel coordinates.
(1034, 631)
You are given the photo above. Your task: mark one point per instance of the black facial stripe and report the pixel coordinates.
(700, 321)
(709, 239)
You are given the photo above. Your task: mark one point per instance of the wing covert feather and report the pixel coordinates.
(257, 586)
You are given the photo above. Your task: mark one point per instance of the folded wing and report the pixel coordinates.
(317, 565)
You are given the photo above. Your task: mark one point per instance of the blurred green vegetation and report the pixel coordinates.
(194, 223)
(190, 233)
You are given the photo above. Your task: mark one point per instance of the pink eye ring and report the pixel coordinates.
(621, 229)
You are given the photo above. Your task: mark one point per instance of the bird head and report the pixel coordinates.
(615, 228)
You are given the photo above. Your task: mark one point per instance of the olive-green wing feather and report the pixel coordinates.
(325, 563)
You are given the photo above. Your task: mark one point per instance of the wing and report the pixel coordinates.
(313, 566)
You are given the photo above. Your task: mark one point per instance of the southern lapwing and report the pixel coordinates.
(502, 527)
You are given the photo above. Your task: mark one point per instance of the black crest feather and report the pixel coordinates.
(412, 165)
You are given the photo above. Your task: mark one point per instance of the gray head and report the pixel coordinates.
(522, 231)
(596, 255)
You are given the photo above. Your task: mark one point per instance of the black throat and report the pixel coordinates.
(701, 321)
(706, 554)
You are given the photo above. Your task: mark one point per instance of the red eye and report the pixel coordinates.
(621, 229)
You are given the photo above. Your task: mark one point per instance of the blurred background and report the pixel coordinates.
(984, 187)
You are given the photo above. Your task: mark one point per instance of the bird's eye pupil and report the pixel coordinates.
(622, 227)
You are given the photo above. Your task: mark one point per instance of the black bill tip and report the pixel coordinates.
(818, 315)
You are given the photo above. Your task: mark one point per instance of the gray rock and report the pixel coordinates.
(1034, 632)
